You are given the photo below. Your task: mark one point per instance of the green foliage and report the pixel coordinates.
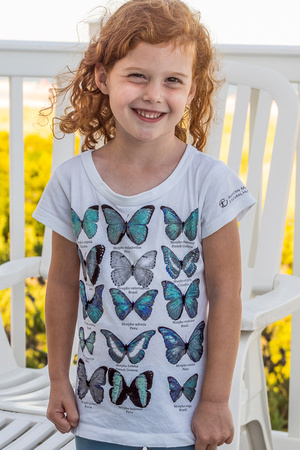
(36, 348)
(4, 198)
(37, 172)
(276, 344)
(37, 154)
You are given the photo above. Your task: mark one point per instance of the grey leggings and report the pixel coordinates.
(88, 444)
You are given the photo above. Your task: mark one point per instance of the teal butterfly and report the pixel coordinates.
(94, 384)
(177, 348)
(175, 265)
(134, 350)
(138, 391)
(91, 265)
(175, 226)
(177, 301)
(89, 222)
(142, 306)
(141, 270)
(91, 308)
(188, 389)
(136, 228)
(88, 342)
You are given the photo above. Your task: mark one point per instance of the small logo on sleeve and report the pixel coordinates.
(233, 196)
(223, 203)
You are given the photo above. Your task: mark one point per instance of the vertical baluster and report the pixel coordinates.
(17, 214)
(294, 394)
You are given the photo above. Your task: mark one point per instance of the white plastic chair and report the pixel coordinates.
(24, 389)
(267, 295)
(26, 432)
(24, 392)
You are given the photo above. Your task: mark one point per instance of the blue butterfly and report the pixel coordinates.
(134, 350)
(177, 348)
(174, 265)
(142, 306)
(175, 226)
(91, 308)
(91, 265)
(88, 224)
(94, 384)
(88, 342)
(177, 300)
(137, 391)
(123, 269)
(188, 389)
(136, 228)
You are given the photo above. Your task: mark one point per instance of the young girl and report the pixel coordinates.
(145, 235)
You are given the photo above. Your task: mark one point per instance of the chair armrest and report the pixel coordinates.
(13, 272)
(265, 309)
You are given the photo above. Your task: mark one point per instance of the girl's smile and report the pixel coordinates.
(148, 116)
(149, 89)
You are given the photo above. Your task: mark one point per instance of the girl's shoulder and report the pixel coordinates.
(72, 165)
(207, 165)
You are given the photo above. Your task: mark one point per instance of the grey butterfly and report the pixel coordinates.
(141, 270)
(94, 384)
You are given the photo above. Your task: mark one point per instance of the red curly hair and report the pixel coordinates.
(154, 22)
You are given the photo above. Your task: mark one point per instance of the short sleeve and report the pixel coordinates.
(54, 210)
(226, 198)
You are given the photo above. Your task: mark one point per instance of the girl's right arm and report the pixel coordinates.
(61, 315)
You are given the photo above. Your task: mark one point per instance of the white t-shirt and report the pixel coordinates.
(143, 306)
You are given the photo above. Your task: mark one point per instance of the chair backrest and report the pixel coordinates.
(264, 110)
(250, 95)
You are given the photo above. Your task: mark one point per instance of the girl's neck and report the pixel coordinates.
(131, 169)
(145, 154)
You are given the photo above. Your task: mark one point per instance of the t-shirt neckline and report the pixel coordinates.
(143, 197)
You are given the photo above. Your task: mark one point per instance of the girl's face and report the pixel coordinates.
(149, 89)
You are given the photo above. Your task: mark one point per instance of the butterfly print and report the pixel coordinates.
(91, 308)
(177, 348)
(136, 228)
(138, 391)
(94, 384)
(141, 270)
(177, 301)
(142, 306)
(89, 222)
(88, 342)
(175, 226)
(91, 265)
(134, 350)
(188, 389)
(175, 265)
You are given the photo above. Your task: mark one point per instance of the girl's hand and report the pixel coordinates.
(62, 409)
(212, 425)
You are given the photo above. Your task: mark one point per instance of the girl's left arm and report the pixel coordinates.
(212, 423)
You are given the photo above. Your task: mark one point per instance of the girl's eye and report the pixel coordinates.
(174, 80)
(137, 75)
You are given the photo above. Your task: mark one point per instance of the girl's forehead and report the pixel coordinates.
(160, 55)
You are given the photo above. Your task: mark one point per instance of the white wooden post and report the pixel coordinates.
(294, 394)
(17, 214)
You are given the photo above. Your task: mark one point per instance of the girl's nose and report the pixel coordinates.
(153, 92)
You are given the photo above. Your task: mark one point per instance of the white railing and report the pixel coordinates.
(19, 60)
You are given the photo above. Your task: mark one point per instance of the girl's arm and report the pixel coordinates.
(61, 316)
(212, 422)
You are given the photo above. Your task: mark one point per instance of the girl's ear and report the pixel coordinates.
(101, 78)
(192, 92)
